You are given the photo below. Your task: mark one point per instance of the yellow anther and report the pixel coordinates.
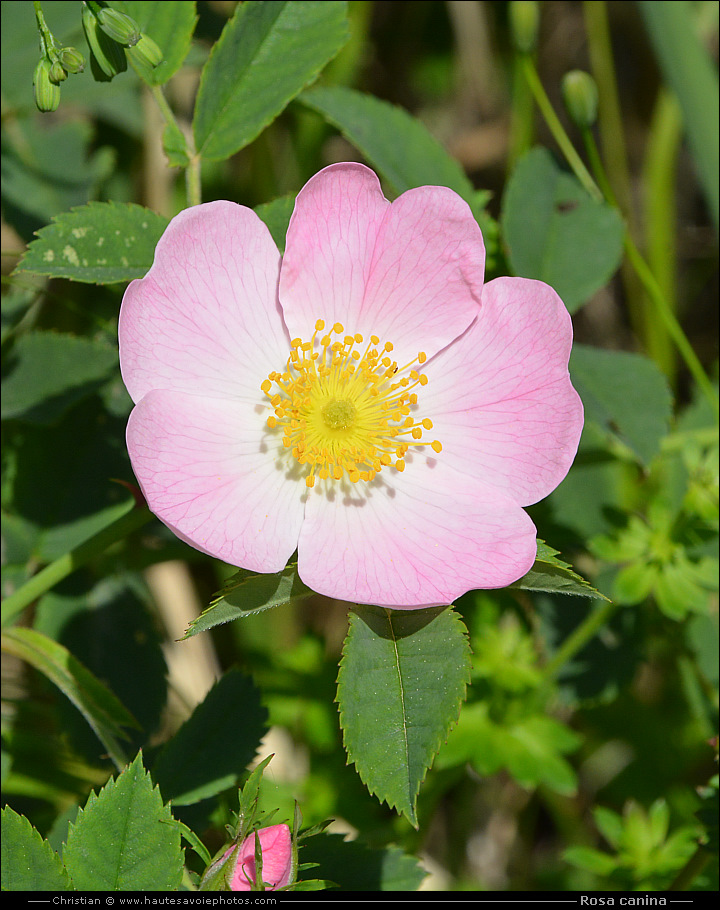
(346, 413)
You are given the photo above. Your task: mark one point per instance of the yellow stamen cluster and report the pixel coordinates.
(343, 412)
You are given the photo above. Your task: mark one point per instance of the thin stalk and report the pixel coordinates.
(45, 33)
(193, 185)
(65, 565)
(690, 871)
(660, 217)
(612, 142)
(644, 273)
(557, 130)
(577, 640)
(193, 189)
(662, 309)
(521, 122)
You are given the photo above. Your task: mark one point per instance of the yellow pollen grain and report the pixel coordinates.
(344, 412)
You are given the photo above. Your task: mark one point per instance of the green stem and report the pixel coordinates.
(162, 103)
(575, 642)
(690, 871)
(662, 308)
(192, 171)
(192, 180)
(45, 34)
(673, 327)
(660, 217)
(612, 140)
(557, 130)
(63, 566)
(521, 123)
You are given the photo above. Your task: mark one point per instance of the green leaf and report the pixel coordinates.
(171, 25)
(266, 55)
(86, 449)
(48, 372)
(625, 395)
(554, 576)
(102, 710)
(247, 593)
(402, 679)
(530, 749)
(353, 866)
(215, 745)
(29, 862)
(124, 839)
(398, 145)
(98, 243)
(276, 215)
(48, 168)
(108, 626)
(556, 233)
(590, 859)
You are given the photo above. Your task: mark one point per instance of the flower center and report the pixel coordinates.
(339, 414)
(343, 412)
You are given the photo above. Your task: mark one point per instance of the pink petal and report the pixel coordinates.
(210, 471)
(410, 272)
(500, 397)
(276, 847)
(420, 538)
(205, 319)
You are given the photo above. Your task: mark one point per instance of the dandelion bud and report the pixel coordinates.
(47, 93)
(108, 57)
(119, 26)
(57, 73)
(524, 24)
(581, 98)
(71, 60)
(145, 53)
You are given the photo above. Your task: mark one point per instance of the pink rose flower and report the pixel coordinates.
(277, 871)
(365, 399)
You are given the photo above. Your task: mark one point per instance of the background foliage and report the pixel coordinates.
(139, 672)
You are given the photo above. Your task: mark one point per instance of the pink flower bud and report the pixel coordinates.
(277, 860)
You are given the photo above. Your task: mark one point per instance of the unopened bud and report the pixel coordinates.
(119, 26)
(47, 93)
(524, 24)
(72, 60)
(237, 869)
(145, 53)
(57, 73)
(581, 98)
(107, 55)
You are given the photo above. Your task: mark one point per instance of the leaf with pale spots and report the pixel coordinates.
(97, 243)
(553, 576)
(402, 679)
(246, 593)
